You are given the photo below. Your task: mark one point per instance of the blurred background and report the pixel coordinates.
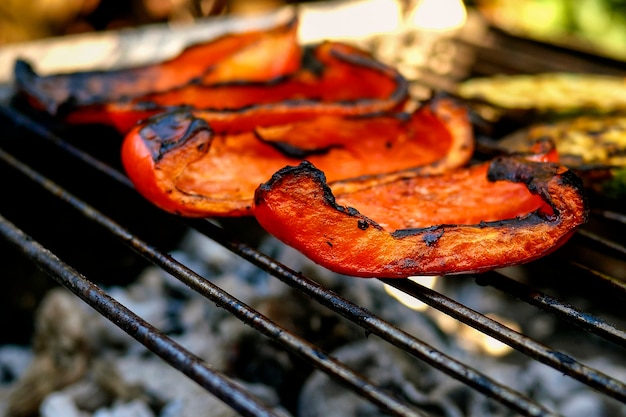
(28, 20)
(593, 24)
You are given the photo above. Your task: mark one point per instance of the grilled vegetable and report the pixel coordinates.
(334, 78)
(549, 92)
(593, 146)
(595, 27)
(585, 142)
(181, 165)
(507, 212)
(259, 55)
(614, 187)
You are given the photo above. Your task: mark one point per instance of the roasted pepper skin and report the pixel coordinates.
(178, 161)
(227, 58)
(269, 80)
(298, 207)
(333, 78)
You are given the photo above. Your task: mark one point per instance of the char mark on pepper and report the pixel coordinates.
(167, 131)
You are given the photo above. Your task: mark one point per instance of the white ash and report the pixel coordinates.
(118, 377)
(441, 396)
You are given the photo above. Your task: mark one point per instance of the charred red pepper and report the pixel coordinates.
(506, 212)
(180, 164)
(259, 55)
(334, 78)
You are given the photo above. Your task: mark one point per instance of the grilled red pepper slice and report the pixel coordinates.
(177, 162)
(334, 78)
(258, 55)
(508, 212)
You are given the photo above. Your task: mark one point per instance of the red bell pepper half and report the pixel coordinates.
(505, 212)
(180, 164)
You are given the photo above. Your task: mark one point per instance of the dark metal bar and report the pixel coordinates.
(376, 325)
(542, 353)
(192, 366)
(606, 243)
(360, 316)
(21, 120)
(227, 242)
(503, 53)
(611, 215)
(567, 312)
(610, 282)
(246, 314)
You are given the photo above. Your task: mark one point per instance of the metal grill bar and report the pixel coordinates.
(544, 354)
(503, 53)
(246, 314)
(611, 283)
(349, 310)
(375, 325)
(379, 327)
(555, 359)
(333, 300)
(213, 381)
(177, 356)
(21, 120)
(353, 312)
(607, 244)
(618, 217)
(567, 312)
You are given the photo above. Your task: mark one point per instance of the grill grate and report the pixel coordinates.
(27, 132)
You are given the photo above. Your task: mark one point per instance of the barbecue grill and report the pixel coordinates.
(68, 209)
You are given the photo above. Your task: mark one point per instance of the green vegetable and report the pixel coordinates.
(616, 186)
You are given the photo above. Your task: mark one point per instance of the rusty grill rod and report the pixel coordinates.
(607, 244)
(21, 120)
(192, 366)
(246, 314)
(376, 325)
(355, 313)
(567, 312)
(502, 52)
(524, 344)
(558, 360)
(584, 321)
(608, 214)
(613, 388)
(613, 283)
